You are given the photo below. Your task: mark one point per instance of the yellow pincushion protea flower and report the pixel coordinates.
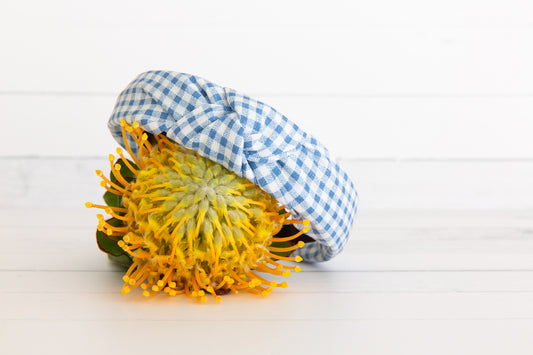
(186, 225)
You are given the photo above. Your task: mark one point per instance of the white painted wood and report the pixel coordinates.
(351, 127)
(372, 337)
(382, 185)
(279, 306)
(168, 13)
(76, 250)
(392, 61)
(107, 281)
(452, 48)
(63, 240)
(443, 185)
(60, 126)
(54, 281)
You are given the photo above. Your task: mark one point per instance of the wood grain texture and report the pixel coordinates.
(350, 127)
(332, 61)
(372, 337)
(56, 282)
(276, 13)
(382, 185)
(342, 47)
(381, 241)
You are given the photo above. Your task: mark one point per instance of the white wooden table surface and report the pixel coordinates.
(404, 285)
(409, 282)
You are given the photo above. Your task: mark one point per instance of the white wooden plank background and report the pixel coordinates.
(382, 185)
(339, 47)
(351, 127)
(401, 287)
(428, 105)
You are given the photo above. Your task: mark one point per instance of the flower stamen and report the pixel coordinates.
(115, 170)
(279, 257)
(117, 216)
(130, 167)
(110, 183)
(283, 250)
(116, 209)
(124, 126)
(292, 237)
(189, 225)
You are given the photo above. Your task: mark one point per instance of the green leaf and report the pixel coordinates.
(115, 222)
(108, 245)
(126, 173)
(123, 260)
(112, 200)
(281, 245)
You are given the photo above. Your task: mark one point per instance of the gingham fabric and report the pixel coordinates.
(251, 139)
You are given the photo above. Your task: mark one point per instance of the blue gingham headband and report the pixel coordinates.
(251, 139)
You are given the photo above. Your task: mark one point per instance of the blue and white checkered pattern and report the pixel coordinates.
(251, 139)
